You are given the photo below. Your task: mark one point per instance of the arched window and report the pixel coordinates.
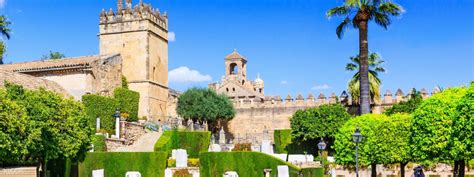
(233, 89)
(153, 74)
(227, 89)
(234, 69)
(243, 82)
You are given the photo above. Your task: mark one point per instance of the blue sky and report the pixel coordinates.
(289, 42)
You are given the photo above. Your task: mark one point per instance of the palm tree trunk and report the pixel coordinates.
(364, 67)
(462, 166)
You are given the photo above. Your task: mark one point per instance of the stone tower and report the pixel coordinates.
(140, 35)
(236, 67)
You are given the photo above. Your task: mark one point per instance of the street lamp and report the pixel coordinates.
(322, 146)
(117, 123)
(357, 138)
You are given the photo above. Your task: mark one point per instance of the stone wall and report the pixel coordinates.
(254, 116)
(133, 131)
(31, 82)
(18, 172)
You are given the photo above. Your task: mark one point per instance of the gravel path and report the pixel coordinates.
(145, 143)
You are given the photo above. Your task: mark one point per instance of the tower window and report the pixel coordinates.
(233, 89)
(154, 72)
(243, 82)
(227, 89)
(234, 69)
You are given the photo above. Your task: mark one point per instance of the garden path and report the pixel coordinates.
(145, 143)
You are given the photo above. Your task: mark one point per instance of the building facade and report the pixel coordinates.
(133, 43)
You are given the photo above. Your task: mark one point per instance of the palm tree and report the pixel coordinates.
(357, 13)
(5, 32)
(374, 80)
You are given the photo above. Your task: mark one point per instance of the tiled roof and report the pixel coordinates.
(60, 64)
(30, 82)
(234, 55)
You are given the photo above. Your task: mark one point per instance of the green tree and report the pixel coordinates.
(202, 104)
(5, 32)
(375, 82)
(440, 123)
(13, 125)
(56, 127)
(357, 13)
(399, 137)
(320, 122)
(53, 56)
(408, 106)
(374, 149)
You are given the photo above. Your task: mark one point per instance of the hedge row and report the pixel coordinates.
(104, 107)
(128, 102)
(285, 144)
(149, 164)
(247, 164)
(99, 143)
(193, 142)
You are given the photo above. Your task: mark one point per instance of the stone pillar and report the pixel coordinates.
(97, 124)
(117, 127)
(222, 136)
(267, 172)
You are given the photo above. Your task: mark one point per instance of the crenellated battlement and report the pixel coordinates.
(126, 18)
(310, 101)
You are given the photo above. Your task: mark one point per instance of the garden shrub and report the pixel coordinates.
(246, 164)
(312, 172)
(242, 147)
(171, 163)
(99, 143)
(149, 164)
(193, 162)
(128, 101)
(193, 142)
(282, 140)
(103, 107)
(182, 173)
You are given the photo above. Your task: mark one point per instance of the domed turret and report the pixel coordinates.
(259, 84)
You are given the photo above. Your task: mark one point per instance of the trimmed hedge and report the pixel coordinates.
(193, 142)
(282, 140)
(246, 164)
(149, 164)
(312, 172)
(103, 107)
(99, 143)
(285, 144)
(128, 102)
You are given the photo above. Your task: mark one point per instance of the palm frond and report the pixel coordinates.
(340, 29)
(338, 11)
(382, 19)
(351, 67)
(379, 69)
(390, 8)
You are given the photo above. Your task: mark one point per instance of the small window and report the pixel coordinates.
(227, 89)
(233, 89)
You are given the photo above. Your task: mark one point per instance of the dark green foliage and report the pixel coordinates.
(282, 139)
(124, 82)
(246, 164)
(202, 104)
(53, 56)
(284, 143)
(149, 164)
(406, 106)
(62, 168)
(103, 107)
(314, 123)
(193, 142)
(128, 102)
(99, 143)
(312, 172)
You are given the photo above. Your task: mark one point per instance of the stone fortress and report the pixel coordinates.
(257, 113)
(134, 43)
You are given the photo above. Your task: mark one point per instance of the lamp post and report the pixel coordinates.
(322, 146)
(357, 138)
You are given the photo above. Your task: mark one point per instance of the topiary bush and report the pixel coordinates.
(103, 107)
(128, 101)
(149, 164)
(193, 142)
(282, 139)
(193, 162)
(246, 164)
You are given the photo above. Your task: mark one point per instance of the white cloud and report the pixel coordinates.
(2, 3)
(284, 82)
(185, 75)
(171, 36)
(321, 87)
